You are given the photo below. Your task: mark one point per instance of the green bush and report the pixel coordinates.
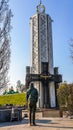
(65, 97)
(63, 93)
(15, 99)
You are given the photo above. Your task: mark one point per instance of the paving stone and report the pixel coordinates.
(42, 124)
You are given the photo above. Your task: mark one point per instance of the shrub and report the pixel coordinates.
(63, 93)
(65, 97)
(15, 99)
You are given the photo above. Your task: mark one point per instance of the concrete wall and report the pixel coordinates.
(51, 113)
(5, 115)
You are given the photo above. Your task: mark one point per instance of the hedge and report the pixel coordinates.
(15, 99)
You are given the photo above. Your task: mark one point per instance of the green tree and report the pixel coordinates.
(11, 90)
(63, 93)
(65, 97)
(70, 99)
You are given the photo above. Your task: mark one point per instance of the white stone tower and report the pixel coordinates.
(41, 40)
(42, 52)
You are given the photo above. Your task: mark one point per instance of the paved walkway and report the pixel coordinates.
(42, 124)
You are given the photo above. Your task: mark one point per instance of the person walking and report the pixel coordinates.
(32, 98)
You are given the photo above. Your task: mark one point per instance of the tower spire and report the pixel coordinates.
(40, 8)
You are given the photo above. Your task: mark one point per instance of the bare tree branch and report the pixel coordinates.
(5, 27)
(71, 48)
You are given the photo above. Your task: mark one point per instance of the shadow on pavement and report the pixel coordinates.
(24, 121)
(40, 123)
(43, 121)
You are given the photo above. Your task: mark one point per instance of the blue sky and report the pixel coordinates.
(62, 30)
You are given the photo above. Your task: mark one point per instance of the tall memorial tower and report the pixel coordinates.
(41, 70)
